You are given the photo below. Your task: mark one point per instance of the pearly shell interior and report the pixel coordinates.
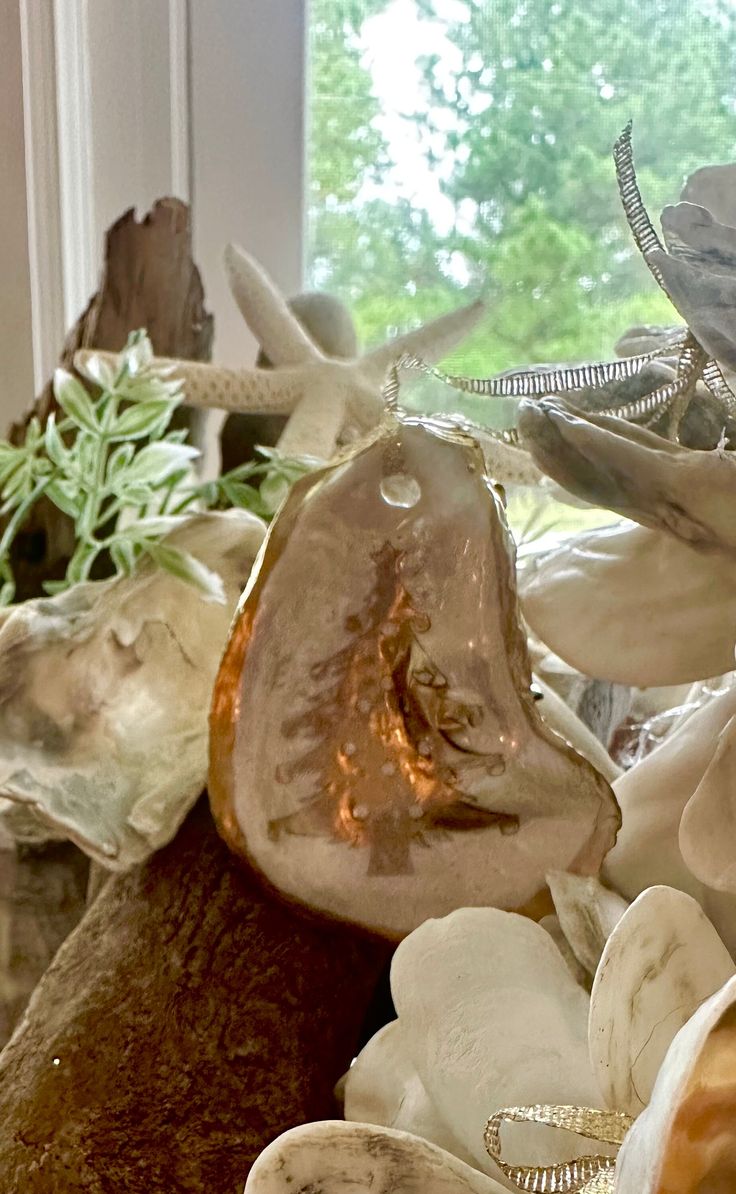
(375, 749)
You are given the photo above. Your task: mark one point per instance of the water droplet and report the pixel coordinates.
(388, 769)
(401, 490)
(364, 706)
(416, 812)
(424, 748)
(57, 1061)
(509, 828)
(361, 812)
(387, 684)
(497, 768)
(349, 749)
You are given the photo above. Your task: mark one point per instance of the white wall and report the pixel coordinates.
(247, 80)
(126, 101)
(16, 343)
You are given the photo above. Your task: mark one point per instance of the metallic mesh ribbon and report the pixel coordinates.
(581, 1175)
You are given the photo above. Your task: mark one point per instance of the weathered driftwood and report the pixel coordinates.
(188, 1020)
(149, 280)
(42, 893)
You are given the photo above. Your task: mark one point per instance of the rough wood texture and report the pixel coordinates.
(42, 897)
(149, 280)
(193, 1019)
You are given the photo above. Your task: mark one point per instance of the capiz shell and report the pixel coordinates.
(375, 749)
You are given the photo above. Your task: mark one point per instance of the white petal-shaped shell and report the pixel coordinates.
(334, 1157)
(685, 1141)
(588, 913)
(493, 1018)
(382, 1087)
(713, 187)
(634, 606)
(663, 959)
(104, 695)
(708, 825)
(560, 718)
(653, 796)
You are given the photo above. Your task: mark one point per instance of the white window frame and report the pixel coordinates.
(213, 112)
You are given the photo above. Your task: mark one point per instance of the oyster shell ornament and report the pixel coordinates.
(376, 753)
(104, 692)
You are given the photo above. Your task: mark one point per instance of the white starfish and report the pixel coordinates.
(326, 398)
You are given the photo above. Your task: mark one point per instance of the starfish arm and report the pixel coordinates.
(272, 391)
(264, 309)
(315, 424)
(431, 342)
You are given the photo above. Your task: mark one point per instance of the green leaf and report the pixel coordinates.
(273, 491)
(246, 497)
(187, 568)
(99, 372)
(123, 555)
(119, 460)
(74, 401)
(143, 419)
(65, 495)
(157, 462)
(79, 564)
(150, 528)
(53, 442)
(137, 353)
(52, 587)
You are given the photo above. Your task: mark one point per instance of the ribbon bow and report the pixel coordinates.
(582, 1175)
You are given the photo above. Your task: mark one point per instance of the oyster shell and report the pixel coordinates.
(375, 749)
(609, 462)
(634, 606)
(684, 1143)
(333, 1157)
(104, 692)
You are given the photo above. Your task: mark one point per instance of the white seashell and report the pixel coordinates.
(634, 606)
(334, 1157)
(684, 1142)
(653, 797)
(588, 913)
(708, 825)
(382, 1087)
(560, 718)
(713, 187)
(612, 463)
(104, 694)
(662, 960)
(492, 1018)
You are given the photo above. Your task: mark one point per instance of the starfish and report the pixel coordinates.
(328, 399)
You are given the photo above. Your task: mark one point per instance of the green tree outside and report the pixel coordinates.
(525, 125)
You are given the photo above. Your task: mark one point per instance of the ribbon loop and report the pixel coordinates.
(581, 1175)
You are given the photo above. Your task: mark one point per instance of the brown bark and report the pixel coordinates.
(193, 1017)
(149, 280)
(42, 896)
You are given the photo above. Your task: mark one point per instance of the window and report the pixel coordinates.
(458, 146)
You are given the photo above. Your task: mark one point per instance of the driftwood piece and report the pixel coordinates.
(149, 280)
(187, 1021)
(42, 896)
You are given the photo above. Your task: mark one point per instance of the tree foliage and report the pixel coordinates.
(518, 120)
